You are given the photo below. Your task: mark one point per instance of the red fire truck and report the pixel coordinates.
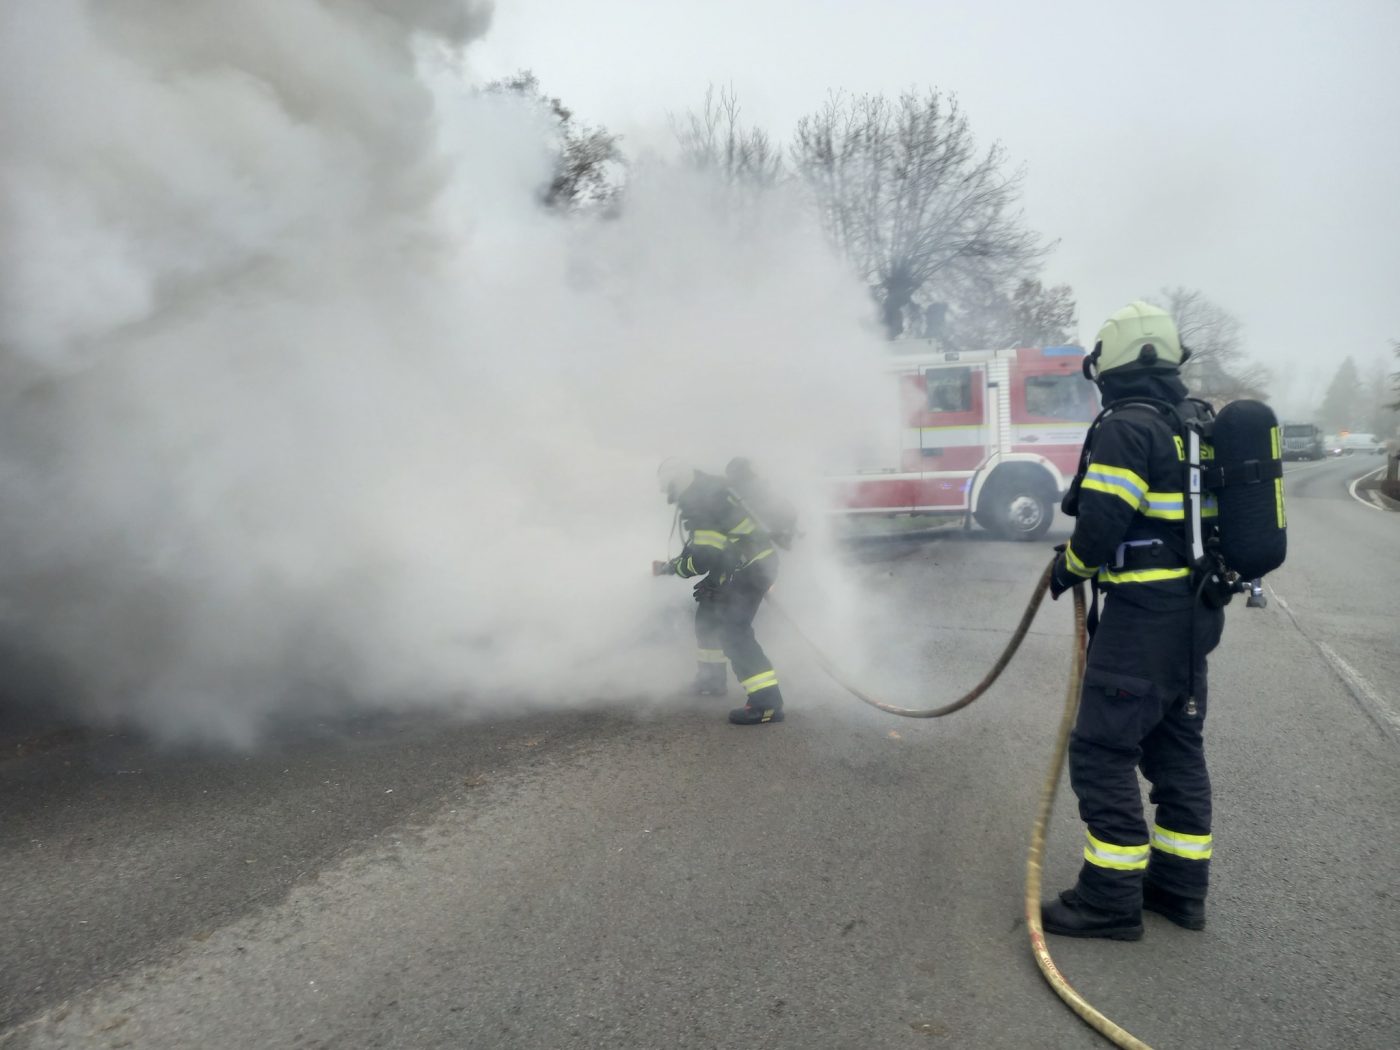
(994, 434)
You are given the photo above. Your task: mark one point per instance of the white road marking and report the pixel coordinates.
(1364, 501)
(1296, 467)
(1363, 689)
(1367, 695)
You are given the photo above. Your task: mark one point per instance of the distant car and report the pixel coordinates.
(1362, 443)
(1332, 445)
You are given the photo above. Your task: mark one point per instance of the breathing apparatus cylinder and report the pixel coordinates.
(1247, 479)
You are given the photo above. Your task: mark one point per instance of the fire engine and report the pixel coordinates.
(991, 434)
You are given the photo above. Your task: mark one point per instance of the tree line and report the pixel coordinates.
(1364, 399)
(927, 217)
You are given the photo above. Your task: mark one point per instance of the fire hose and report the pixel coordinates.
(1076, 1002)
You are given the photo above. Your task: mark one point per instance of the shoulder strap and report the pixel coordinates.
(1070, 504)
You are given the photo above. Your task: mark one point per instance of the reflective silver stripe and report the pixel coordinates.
(1120, 858)
(711, 656)
(1179, 844)
(1192, 497)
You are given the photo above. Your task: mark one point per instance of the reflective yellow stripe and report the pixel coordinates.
(1076, 565)
(743, 528)
(758, 557)
(1126, 495)
(1278, 483)
(1116, 481)
(711, 656)
(1171, 506)
(1120, 858)
(762, 680)
(1180, 844)
(709, 538)
(1142, 575)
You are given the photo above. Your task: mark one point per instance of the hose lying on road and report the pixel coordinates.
(1017, 637)
(1076, 1002)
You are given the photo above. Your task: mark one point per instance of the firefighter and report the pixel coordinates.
(1143, 701)
(738, 563)
(774, 513)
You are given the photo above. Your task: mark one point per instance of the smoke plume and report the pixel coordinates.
(306, 402)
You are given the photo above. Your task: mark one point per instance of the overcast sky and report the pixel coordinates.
(1247, 148)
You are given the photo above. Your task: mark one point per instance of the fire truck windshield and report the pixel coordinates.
(1062, 396)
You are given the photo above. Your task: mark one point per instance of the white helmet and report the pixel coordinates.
(674, 476)
(1138, 336)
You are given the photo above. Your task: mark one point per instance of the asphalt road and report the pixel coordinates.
(843, 880)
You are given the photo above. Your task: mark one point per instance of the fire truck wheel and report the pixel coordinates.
(1019, 506)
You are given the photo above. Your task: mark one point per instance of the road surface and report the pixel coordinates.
(844, 880)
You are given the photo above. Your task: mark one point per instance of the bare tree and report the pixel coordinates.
(1032, 315)
(589, 164)
(904, 192)
(1218, 369)
(716, 140)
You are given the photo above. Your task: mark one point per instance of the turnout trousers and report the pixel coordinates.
(712, 666)
(1143, 706)
(724, 630)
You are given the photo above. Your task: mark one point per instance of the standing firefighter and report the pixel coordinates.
(1143, 702)
(737, 560)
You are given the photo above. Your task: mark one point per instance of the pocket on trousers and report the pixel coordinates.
(1115, 683)
(1116, 710)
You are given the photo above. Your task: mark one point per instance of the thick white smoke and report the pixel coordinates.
(306, 401)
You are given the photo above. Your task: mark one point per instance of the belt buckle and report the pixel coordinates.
(1120, 556)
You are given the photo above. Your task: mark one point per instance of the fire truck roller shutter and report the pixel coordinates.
(1017, 502)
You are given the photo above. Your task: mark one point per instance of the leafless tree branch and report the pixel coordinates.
(902, 189)
(716, 140)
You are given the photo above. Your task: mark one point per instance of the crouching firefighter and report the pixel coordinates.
(1142, 534)
(738, 563)
(775, 514)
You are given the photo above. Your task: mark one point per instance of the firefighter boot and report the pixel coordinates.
(763, 707)
(711, 679)
(1071, 916)
(1187, 912)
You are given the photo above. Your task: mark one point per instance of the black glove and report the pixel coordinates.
(705, 589)
(1061, 579)
(663, 568)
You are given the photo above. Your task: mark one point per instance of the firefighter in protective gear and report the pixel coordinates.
(774, 513)
(1143, 701)
(738, 563)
